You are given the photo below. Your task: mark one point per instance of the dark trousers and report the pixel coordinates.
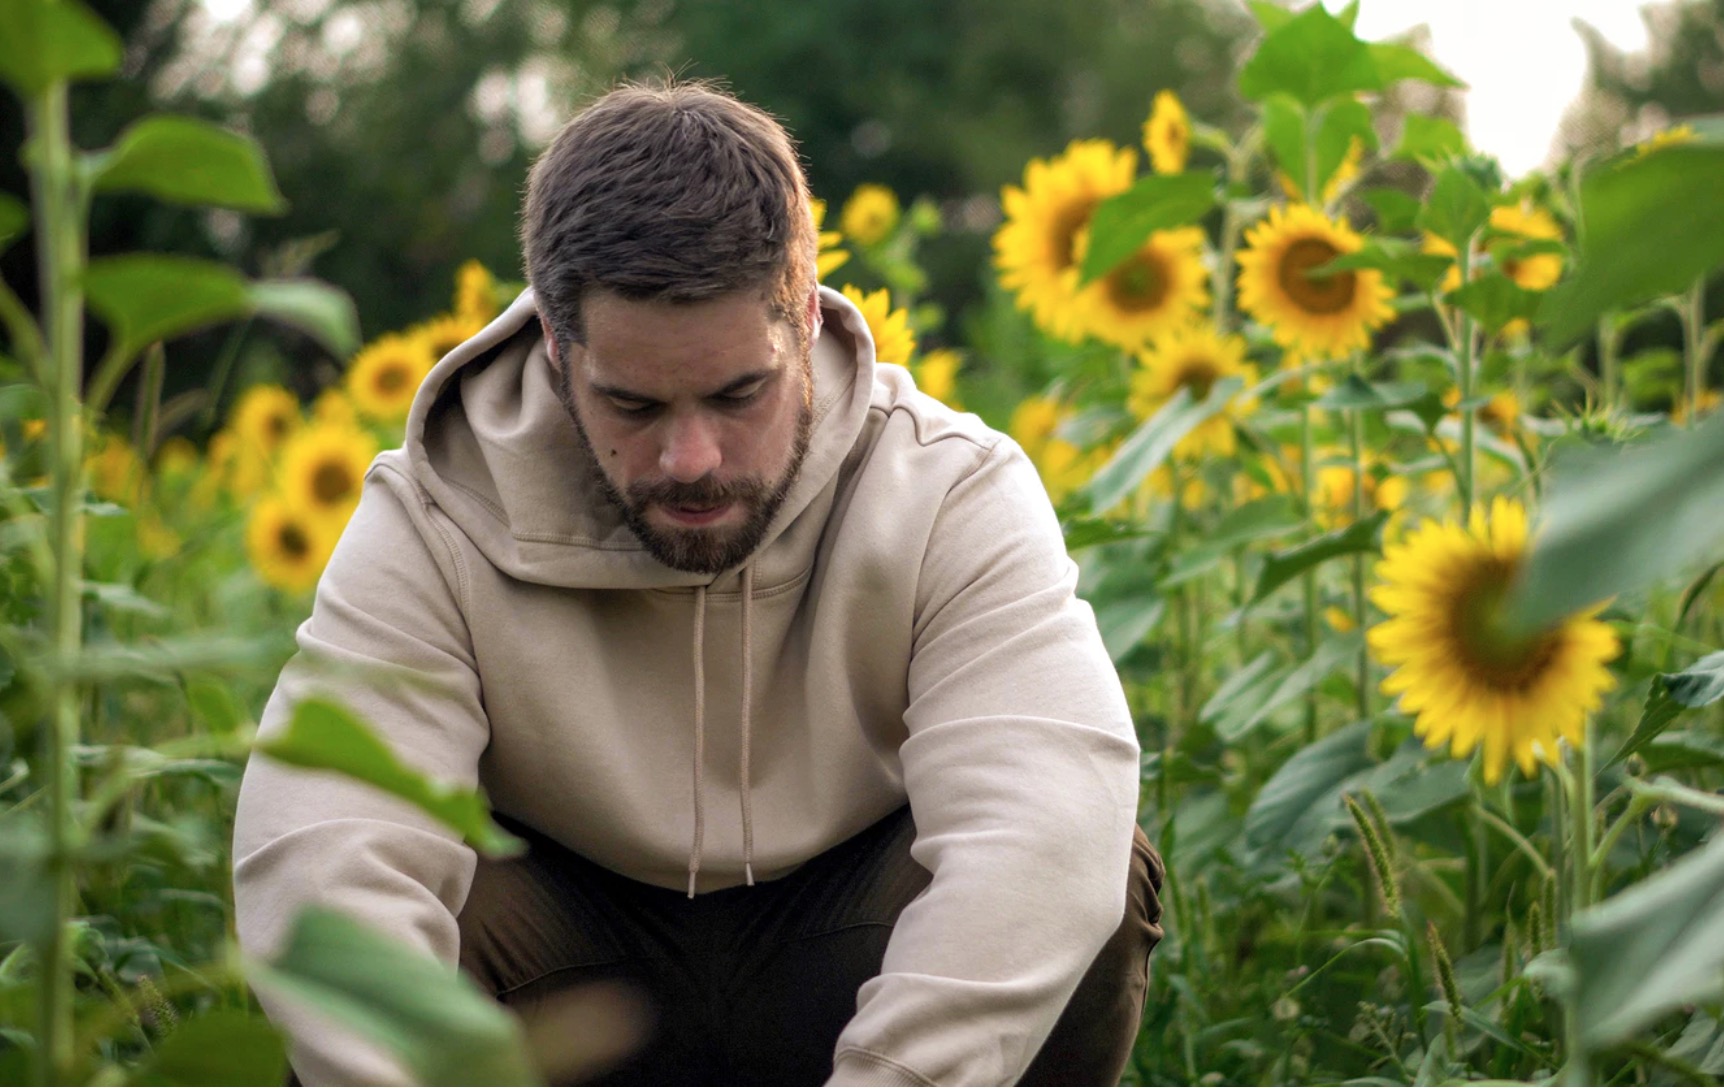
(753, 985)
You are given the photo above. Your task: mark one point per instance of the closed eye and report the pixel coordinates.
(632, 407)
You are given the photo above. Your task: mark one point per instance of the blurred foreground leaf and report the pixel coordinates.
(223, 1047)
(1650, 950)
(1650, 225)
(14, 219)
(1312, 57)
(1700, 684)
(1122, 223)
(324, 736)
(147, 297)
(1616, 520)
(315, 308)
(427, 1015)
(188, 161)
(42, 41)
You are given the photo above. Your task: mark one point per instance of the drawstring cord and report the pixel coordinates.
(699, 735)
(694, 857)
(747, 707)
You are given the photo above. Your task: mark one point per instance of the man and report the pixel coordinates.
(775, 662)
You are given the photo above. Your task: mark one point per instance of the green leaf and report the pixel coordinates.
(26, 888)
(222, 1047)
(1289, 687)
(187, 161)
(1700, 684)
(1122, 223)
(430, 1017)
(1456, 208)
(1343, 122)
(1650, 950)
(1251, 684)
(1429, 140)
(1397, 258)
(122, 598)
(14, 219)
(1260, 519)
(325, 736)
(1356, 393)
(1088, 532)
(1151, 443)
(1494, 300)
(45, 41)
(1616, 520)
(1394, 209)
(1396, 62)
(1313, 57)
(323, 312)
(145, 297)
(1269, 15)
(1284, 133)
(165, 658)
(1313, 773)
(1649, 226)
(213, 705)
(1284, 566)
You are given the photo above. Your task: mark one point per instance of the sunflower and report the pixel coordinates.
(1064, 466)
(1537, 271)
(333, 406)
(322, 469)
(1194, 359)
(893, 340)
(1167, 134)
(1709, 400)
(1036, 248)
(1153, 293)
(263, 418)
(383, 378)
(475, 294)
(870, 215)
(830, 257)
(1470, 682)
(115, 471)
(937, 375)
(446, 333)
(288, 549)
(1345, 172)
(1332, 493)
(1321, 316)
(1670, 137)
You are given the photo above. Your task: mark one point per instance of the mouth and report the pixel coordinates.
(695, 515)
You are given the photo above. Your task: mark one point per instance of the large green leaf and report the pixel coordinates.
(323, 312)
(188, 161)
(1246, 712)
(1343, 123)
(1700, 684)
(1617, 520)
(1649, 226)
(14, 219)
(45, 41)
(1398, 258)
(1650, 950)
(1396, 62)
(1281, 567)
(1312, 57)
(1284, 131)
(1314, 772)
(147, 297)
(1456, 208)
(1260, 519)
(1356, 393)
(1151, 443)
(26, 889)
(220, 1048)
(1494, 300)
(1122, 223)
(431, 1018)
(1429, 139)
(326, 736)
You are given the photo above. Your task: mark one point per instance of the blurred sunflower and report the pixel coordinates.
(870, 215)
(288, 548)
(937, 375)
(1470, 682)
(893, 340)
(115, 471)
(1324, 316)
(1064, 466)
(1345, 172)
(1193, 359)
(263, 418)
(322, 469)
(1332, 493)
(1153, 293)
(1534, 272)
(383, 378)
(333, 406)
(445, 333)
(1036, 248)
(830, 258)
(1709, 400)
(1167, 134)
(475, 294)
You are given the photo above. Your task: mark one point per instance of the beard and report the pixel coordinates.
(698, 551)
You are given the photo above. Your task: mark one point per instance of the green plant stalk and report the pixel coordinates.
(1579, 791)
(1308, 580)
(1693, 352)
(1356, 439)
(1609, 344)
(1467, 474)
(1221, 282)
(60, 253)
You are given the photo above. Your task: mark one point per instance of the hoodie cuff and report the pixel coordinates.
(858, 1067)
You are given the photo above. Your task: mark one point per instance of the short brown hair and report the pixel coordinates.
(678, 192)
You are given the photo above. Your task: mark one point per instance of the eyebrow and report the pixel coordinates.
(605, 389)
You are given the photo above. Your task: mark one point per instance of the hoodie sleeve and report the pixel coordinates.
(1021, 767)
(387, 638)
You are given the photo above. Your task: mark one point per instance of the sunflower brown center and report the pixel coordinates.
(1315, 294)
(1198, 375)
(1500, 658)
(292, 541)
(331, 484)
(1139, 285)
(275, 426)
(391, 379)
(1063, 234)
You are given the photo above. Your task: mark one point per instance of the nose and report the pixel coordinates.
(690, 451)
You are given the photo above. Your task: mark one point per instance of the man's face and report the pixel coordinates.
(697, 415)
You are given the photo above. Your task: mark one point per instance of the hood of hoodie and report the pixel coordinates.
(489, 438)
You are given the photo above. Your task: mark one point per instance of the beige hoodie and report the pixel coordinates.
(908, 630)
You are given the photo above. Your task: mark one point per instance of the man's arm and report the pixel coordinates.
(387, 638)
(1022, 772)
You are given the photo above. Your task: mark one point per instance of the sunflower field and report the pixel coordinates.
(1410, 568)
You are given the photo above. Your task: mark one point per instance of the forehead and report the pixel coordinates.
(655, 346)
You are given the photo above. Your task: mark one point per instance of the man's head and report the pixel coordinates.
(671, 249)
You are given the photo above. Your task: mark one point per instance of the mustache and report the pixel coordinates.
(704, 492)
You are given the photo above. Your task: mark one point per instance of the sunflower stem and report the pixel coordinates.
(1694, 358)
(1308, 580)
(1609, 342)
(1356, 439)
(1464, 333)
(1581, 811)
(1238, 162)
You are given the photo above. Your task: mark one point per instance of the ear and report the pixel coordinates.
(550, 340)
(814, 317)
